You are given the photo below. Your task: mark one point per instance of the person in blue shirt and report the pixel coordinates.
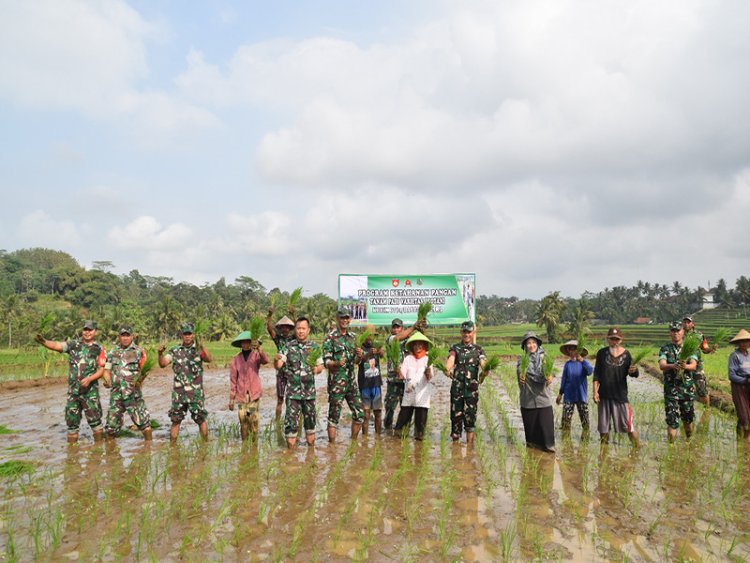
(574, 386)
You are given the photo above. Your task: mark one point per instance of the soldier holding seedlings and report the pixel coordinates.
(738, 367)
(699, 377)
(302, 360)
(123, 372)
(86, 359)
(395, 389)
(465, 359)
(678, 361)
(574, 386)
(614, 365)
(281, 335)
(340, 356)
(187, 389)
(244, 381)
(535, 395)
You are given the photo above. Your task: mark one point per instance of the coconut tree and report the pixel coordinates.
(548, 314)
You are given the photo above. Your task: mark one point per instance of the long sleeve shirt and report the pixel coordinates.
(739, 367)
(244, 379)
(574, 383)
(534, 392)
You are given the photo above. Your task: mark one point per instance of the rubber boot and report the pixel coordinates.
(147, 433)
(72, 438)
(98, 435)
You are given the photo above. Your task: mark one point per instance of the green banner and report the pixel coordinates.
(378, 299)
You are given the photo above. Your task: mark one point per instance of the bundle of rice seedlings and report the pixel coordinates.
(201, 327)
(423, 311)
(393, 352)
(434, 355)
(582, 343)
(293, 299)
(525, 360)
(548, 366)
(722, 336)
(490, 365)
(257, 326)
(363, 335)
(312, 358)
(46, 321)
(690, 346)
(148, 365)
(640, 356)
(275, 298)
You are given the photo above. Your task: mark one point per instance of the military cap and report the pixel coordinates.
(187, 328)
(343, 312)
(467, 326)
(397, 322)
(126, 329)
(676, 325)
(89, 324)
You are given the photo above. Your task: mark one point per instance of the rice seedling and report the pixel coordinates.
(312, 358)
(5, 430)
(15, 468)
(548, 367)
(641, 355)
(434, 355)
(721, 336)
(201, 327)
(257, 327)
(362, 336)
(393, 351)
(690, 346)
(424, 310)
(524, 366)
(490, 365)
(507, 537)
(293, 300)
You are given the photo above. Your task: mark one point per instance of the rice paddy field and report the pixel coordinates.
(380, 498)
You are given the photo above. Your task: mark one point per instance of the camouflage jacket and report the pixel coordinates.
(282, 343)
(340, 348)
(300, 376)
(83, 359)
(187, 365)
(671, 353)
(125, 364)
(700, 337)
(468, 357)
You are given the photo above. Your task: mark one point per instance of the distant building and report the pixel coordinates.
(642, 321)
(708, 301)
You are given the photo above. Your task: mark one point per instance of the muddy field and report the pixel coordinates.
(381, 498)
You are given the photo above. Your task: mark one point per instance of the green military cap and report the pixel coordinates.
(467, 326)
(187, 328)
(89, 324)
(676, 325)
(343, 312)
(126, 329)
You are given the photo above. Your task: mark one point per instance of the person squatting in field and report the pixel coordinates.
(122, 373)
(300, 392)
(535, 395)
(679, 389)
(465, 360)
(340, 357)
(395, 385)
(86, 359)
(573, 392)
(187, 388)
(614, 365)
(281, 334)
(417, 389)
(738, 369)
(244, 383)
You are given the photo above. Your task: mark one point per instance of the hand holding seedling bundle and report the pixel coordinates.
(314, 357)
(490, 365)
(393, 352)
(422, 312)
(548, 368)
(147, 366)
(523, 367)
(640, 356)
(433, 359)
(690, 346)
(293, 300)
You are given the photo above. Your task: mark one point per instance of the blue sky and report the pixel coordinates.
(545, 145)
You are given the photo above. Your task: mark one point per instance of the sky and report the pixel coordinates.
(545, 145)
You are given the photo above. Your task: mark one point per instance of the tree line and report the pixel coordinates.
(48, 289)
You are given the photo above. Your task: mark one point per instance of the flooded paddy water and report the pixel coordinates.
(380, 498)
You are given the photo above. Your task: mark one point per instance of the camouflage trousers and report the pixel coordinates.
(182, 403)
(567, 414)
(393, 397)
(701, 387)
(678, 400)
(125, 398)
(295, 408)
(338, 391)
(464, 401)
(249, 414)
(83, 401)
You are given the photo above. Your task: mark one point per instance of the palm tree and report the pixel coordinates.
(580, 324)
(548, 314)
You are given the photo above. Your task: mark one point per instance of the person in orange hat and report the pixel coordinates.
(738, 367)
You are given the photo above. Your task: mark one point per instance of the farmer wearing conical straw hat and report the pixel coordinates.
(678, 364)
(465, 359)
(416, 375)
(738, 367)
(574, 386)
(244, 382)
(281, 334)
(395, 390)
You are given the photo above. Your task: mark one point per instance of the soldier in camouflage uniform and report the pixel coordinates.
(187, 390)
(86, 359)
(678, 384)
(123, 372)
(340, 358)
(465, 360)
(395, 390)
(699, 377)
(300, 392)
(281, 335)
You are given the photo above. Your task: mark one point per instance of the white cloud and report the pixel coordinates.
(146, 233)
(38, 228)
